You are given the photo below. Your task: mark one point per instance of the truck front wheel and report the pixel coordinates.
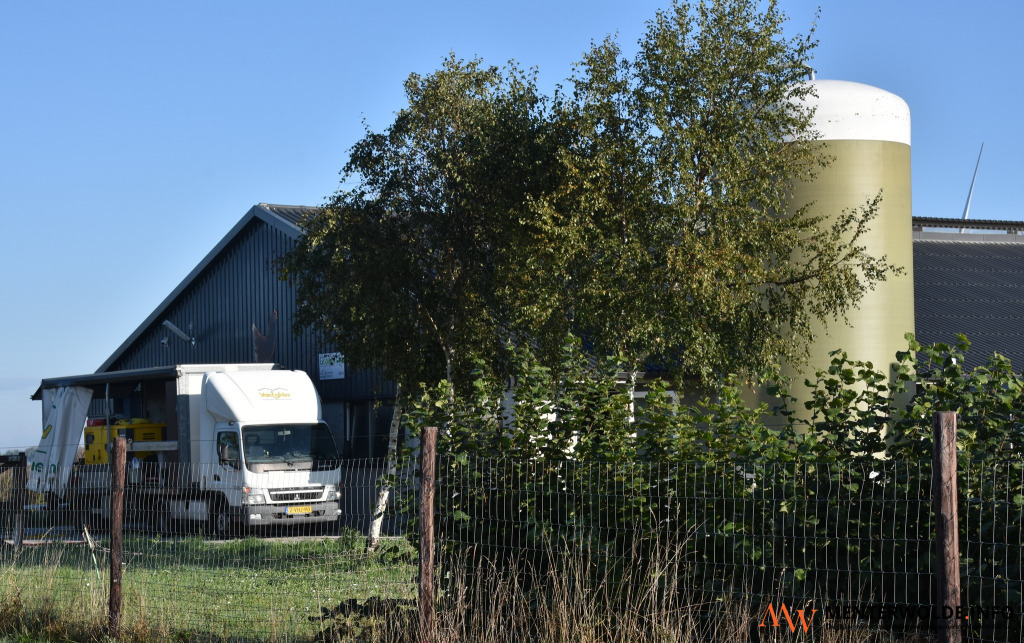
(221, 523)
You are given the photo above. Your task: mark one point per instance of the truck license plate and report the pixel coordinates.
(300, 510)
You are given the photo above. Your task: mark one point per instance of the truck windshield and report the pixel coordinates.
(280, 447)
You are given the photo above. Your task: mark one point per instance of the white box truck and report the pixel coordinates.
(232, 445)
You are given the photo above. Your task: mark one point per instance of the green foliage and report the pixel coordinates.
(671, 235)
(987, 400)
(398, 269)
(644, 209)
(841, 500)
(374, 619)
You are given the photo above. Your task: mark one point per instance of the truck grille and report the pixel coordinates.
(293, 495)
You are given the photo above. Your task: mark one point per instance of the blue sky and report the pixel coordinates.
(133, 135)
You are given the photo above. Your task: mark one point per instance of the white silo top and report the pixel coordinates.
(854, 111)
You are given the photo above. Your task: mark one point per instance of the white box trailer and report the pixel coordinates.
(245, 445)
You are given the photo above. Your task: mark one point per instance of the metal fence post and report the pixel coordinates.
(947, 541)
(117, 459)
(428, 456)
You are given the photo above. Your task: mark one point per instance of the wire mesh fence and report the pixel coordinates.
(853, 541)
(202, 560)
(801, 533)
(991, 552)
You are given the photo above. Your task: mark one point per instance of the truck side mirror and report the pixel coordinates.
(229, 462)
(228, 455)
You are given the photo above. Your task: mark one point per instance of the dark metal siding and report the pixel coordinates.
(239, 288)
(972, 288)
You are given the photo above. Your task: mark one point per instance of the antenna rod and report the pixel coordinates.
(970, 193)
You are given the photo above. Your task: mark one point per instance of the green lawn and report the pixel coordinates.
(239, 589)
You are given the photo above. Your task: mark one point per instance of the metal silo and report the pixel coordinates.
(866, 131)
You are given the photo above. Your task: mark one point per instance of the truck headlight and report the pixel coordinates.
(253, 496)
(332, 492)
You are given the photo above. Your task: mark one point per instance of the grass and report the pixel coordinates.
(193, 589)
(573, 603)
(331, 590)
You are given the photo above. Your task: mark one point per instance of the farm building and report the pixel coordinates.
(958, 277)
(233, 308)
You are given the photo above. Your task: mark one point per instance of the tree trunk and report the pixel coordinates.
(631, 391)
(377, 519)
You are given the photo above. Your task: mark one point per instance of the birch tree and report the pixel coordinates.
(390, 469)
(671, 239)
(398, 268)
(643, 209)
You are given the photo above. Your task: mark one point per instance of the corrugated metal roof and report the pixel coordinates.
(135, 375)
(291, 213)
(963, 285)
(1013, 227)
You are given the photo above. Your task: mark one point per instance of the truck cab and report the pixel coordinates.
(276, 474)
(273, 460)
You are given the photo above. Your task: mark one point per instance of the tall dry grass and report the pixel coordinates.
(573, 601)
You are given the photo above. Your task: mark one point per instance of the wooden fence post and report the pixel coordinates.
(20, 495)
(117, 459)
(428, 457)
(947, 540)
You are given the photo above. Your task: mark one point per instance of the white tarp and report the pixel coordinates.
(64, 413)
